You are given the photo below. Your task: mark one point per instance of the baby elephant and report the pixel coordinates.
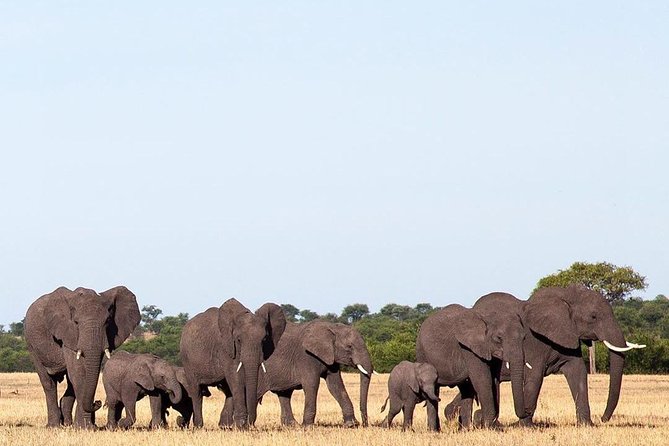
(128, 377)
(162, 402)
(409, 384)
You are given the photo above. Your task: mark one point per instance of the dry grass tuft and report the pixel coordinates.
(642, 417)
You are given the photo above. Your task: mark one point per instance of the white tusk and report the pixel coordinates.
(375, 372)
(78, 354)
(527, 364)
(633, 345)
(616, 349)
(239, 366)
(262, 364)
(507, 364)
(107, 354)
(362, 369)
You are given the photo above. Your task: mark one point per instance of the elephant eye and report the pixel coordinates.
(593, 315)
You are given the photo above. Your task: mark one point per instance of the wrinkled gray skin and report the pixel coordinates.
(467, 347)
(128, 377)
(59, 324)
(213, 344)
(311, 351)
(161, 403)
(558, 320)
(409, 383)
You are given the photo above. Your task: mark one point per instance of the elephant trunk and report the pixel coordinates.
(175, 392)
(517, 371)
(91, 350)
(431, 393)
(251, 366)
(616, 363)
(365, 362)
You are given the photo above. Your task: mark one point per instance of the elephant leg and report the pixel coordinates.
(67, 403)
(534, 379)
(466, 404)
(226, 418)
(496, 370)
(395, 407)
(114, 409)
(482, 382)
(408, 409)
(129, 399)
(49, 385)
(433, 423)
(453, 408)
(196, 396)
(577, 378)
(338, 391)
(287, 417)
(157, 413)
(310, 396)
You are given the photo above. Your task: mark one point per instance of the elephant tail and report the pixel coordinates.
(384, 403)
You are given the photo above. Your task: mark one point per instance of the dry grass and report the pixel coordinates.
(642, 417)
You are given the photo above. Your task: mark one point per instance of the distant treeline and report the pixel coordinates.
(390, 334)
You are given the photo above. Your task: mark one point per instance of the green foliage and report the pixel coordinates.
(291, 312)
(14, 355)
(614, 282)
(355, 312)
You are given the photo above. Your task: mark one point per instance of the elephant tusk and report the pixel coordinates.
(78, 354)
(616, 349)
(375, 372)
(527, 364)
(107, 354)
(362, 369)
(239, 366)
(262, 364)
(507, 365)
(633, 345)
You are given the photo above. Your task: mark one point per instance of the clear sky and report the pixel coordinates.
(327, 153)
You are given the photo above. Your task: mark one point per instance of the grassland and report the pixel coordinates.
(642, 417)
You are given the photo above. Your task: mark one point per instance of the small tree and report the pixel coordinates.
(355, 312)
(150, 314)
(291, 312)
(308, 315)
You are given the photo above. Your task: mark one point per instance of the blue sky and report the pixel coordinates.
(322, 155)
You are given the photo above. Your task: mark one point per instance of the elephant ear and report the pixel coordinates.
(275, 322)
(470, 331)
(227, 314)
(319, 340)
(548, 315)
(126, 315)
(142, 376)
(59, 318)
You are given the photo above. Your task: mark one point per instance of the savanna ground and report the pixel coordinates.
(642, 417)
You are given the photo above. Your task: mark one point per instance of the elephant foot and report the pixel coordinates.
(526, 422)
(125, 423)
(584, 422)
(289, 422)
(351, 423)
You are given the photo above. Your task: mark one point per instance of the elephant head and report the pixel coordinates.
(91, 325)
(565, 316)
(156, 373)
(424, 380)
(247, 338)
(491, 333)
(334, 343)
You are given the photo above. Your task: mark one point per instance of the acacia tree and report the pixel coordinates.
(616, 283)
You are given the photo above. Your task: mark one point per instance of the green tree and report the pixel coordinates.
(355, 312)
(614, 282)
(397, 312)
(16, 328)
(291, 312)
(308, 315)
(150, 314)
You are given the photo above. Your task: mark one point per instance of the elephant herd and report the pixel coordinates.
(246, 354)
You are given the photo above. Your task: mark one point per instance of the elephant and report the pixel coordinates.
(467, 347)
(161, 403)
(128, 377)
(308, 352)
(225, 347)
(67, 334)
(409, 384)
(558, 320)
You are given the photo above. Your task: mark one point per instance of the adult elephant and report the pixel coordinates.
(68, 333)
(468, 347)
(311, 351)
(558, 320)
(225, 347)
